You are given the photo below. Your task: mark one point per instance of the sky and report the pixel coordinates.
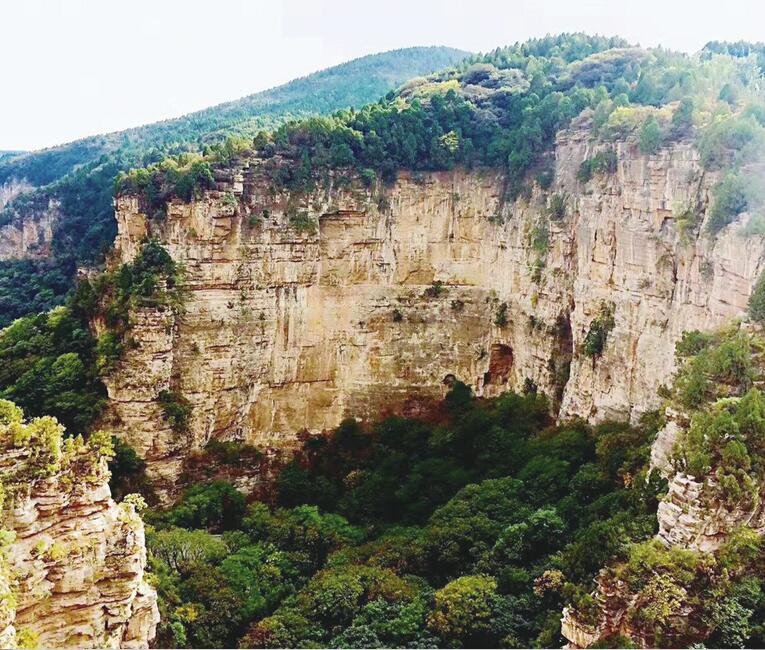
(73, 68)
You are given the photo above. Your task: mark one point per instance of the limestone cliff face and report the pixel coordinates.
(30, 236)
(11, 189)
(399, 288)
(72, 564)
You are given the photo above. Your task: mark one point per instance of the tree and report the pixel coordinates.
(217, 506)
(757, 300)
(463, 609)
(730, 198)
(184, 550)
(682, 117)
(650, 135)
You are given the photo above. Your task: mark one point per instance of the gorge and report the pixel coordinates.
(477, 365)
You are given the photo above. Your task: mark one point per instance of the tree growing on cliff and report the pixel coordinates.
(757, 300)
(650, 135)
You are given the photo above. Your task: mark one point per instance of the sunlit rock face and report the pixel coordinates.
(29, 235)
(391, 290)
(72, 562)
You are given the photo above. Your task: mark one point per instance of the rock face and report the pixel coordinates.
(73, 561)
(11, 189)
(689, 517)
(30, 236)
(397, 289)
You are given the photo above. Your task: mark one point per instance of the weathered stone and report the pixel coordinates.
(73, 573)
(285, 330)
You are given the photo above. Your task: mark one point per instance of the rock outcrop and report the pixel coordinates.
(72, 571)
(29, 235)
(304, 308)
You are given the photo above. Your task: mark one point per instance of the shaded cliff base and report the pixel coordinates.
(467, 527)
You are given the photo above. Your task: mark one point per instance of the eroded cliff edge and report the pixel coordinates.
(72, 563)
(303, 308)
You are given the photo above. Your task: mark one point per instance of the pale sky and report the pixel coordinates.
(72, 68)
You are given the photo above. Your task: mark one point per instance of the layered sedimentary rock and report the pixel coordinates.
(398, 289)
(72, 570)
(690, 516)
(32, 234)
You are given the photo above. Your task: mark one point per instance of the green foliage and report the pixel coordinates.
(436, 289)
(757, 300)
(128, 473)
(682, 117)
(232, 453)
(725, 442)
(500, 315)
(176, 410)
(603, 162)
(216, 505)
(47, 366)
(730, 197)
(151, 280)
(597, 335)
(463, 609)
(184, 177)
(730, 141)
(413, 533)
(651, 136)
(31, 286)
(302, 222)
(558, 206)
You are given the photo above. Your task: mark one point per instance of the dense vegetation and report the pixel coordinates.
(470, 528)
(676, 596)
(80, 175)
(51, 364)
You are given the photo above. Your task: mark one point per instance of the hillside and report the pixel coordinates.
(69, 187)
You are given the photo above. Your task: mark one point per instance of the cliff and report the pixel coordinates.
(72, 560)
(30, 233)
(303, 308)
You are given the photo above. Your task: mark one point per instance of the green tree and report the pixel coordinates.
(650, 137)
(463, 609)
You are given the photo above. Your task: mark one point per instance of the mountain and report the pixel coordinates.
(68, 188)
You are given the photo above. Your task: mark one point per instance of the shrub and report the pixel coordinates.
(176, 409)
(757, 300)
(302, 222)
(232, 452)
(557, 207)
(730, 198)
(603, 162)
(735, 139)
(650, 136)
(682, 117)
(500, 315)
(597, 335)
(436, 289)
(216, 506)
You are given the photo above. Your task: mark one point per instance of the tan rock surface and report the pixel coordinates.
(287, 330)
(73, 560)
